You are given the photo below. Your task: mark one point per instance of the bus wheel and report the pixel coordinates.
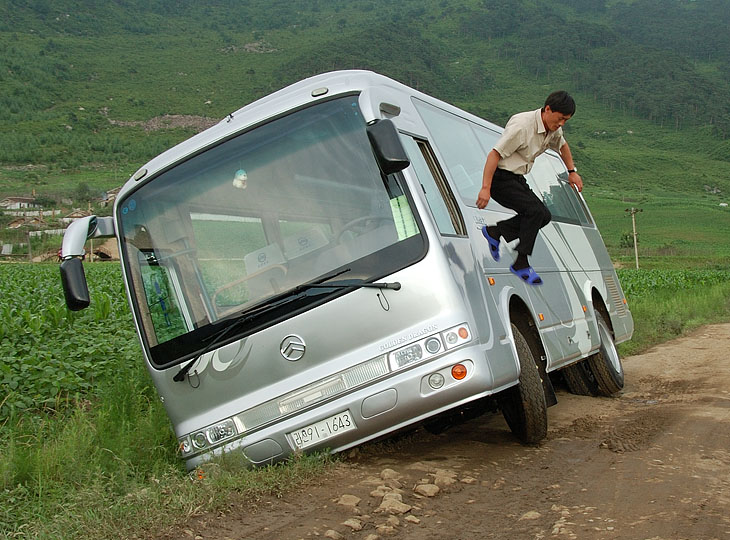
(579, 379)
(606, 363)
(523, 406)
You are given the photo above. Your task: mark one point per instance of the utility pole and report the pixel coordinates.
(91, 247)
(633, 211)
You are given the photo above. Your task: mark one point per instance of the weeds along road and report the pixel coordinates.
(651, 463)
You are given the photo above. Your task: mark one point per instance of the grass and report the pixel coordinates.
(670, 229)
(106, 468)
(75, 488)
(665, 315)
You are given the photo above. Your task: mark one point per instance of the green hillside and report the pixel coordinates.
(87, 89)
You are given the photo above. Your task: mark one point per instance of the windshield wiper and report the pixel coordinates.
(297, 293)
(242, 318)
(354, 283)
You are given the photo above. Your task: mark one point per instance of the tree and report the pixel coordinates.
(83, 192)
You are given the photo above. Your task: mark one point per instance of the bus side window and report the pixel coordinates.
(487, 138)
(555, 192)
(158, 281)
(438, 194)
(459, 148)
(584, 216)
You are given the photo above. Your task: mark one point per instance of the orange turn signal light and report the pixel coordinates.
(541, 316)
(463, 333)
(458, 372)
(491, 280)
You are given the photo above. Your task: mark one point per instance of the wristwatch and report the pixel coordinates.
(572, 170)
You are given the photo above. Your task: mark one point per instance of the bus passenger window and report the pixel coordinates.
(162, 302)
(438, 195)
(574, 199)
(459, 147)
(555, 192)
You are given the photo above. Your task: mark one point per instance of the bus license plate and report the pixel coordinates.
(322, 430)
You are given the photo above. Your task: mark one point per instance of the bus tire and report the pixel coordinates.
(523, 406)
(579, 379)
(606, 363)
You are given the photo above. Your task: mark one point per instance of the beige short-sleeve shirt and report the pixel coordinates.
(524, 138)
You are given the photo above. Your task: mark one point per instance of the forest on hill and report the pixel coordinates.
(81, 80)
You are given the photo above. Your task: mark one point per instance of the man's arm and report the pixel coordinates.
(489, 167)
(574, 178)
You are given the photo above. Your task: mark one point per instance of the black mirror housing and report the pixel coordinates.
(387, 146)
(75, 288)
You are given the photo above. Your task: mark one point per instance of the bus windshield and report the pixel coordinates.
(277, 206)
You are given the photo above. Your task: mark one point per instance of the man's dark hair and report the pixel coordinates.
(560, 101)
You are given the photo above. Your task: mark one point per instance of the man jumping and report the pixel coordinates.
(526, 136)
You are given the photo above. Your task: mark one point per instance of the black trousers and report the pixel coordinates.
(511, 191)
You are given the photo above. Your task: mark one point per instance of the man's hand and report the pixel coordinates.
(483, 198)
(576, 181)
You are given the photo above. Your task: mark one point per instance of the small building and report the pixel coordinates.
(76, 214)
(18, 203)
(17, 223)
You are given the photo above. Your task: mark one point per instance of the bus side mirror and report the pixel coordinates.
(72, 271)
(75, 288)
(387, 147)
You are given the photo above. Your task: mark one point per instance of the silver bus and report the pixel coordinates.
(310, 274)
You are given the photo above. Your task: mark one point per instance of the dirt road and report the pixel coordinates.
(651, 463)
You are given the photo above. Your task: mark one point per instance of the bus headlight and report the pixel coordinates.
(406, 355)
(433, 345)
(199, 440)
(429, 347)
(436, 380)
(209, 436)
(220, 432)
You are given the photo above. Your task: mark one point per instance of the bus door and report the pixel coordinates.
(454, 240)
(549, 303)
(565, 239)
(463, 146)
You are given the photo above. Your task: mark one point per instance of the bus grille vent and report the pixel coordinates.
(615, 294)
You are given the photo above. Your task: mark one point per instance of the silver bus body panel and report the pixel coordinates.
(340, 333)
(412, 401)
(450, 286)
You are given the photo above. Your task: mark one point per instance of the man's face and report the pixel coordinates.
(553, 119)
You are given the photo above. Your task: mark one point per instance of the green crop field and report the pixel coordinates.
(51, 358)
(673, 231)
(87, 449)
(50, 354)
(667, 303)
